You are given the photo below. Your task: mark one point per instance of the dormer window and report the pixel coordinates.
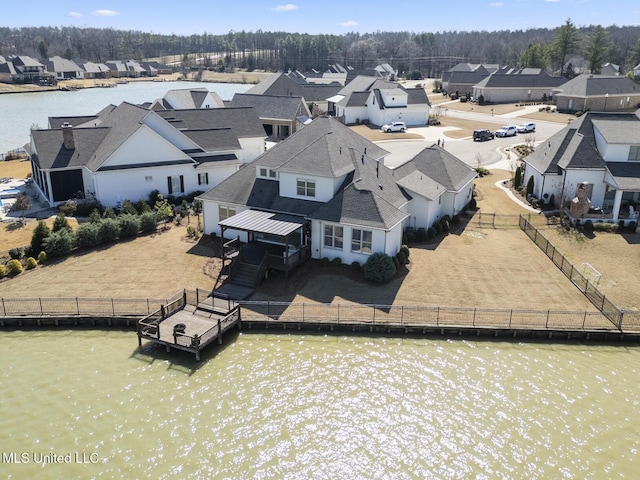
(268, 173)
(306, 188)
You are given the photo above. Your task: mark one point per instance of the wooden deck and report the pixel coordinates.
(188, 327)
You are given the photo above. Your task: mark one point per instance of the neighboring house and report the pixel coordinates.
(597, 93)
(579, 65)
(523, 85)
(29, 70)
(636, 72)
(94, 70)
(64, 69)
(8, 73)
(462, 77)
(280, 116)
(118, 68)
(328, 191)
(296, 85)
(126, 152)
(381, 103)
(598, 150)
(188, 98)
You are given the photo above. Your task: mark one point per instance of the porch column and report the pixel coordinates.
(616, 205)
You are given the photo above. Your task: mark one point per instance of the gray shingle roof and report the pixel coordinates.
(282, 84)
(243, 120)
(626, 175)
(521, 80)
(212, 140)
(369, 195)
(586, 85)
(271, 106)
(432, 172)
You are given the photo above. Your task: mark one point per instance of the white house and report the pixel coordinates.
(600, 151)
(189, 98)
(326, 192)
(126, 152)
(380, 102)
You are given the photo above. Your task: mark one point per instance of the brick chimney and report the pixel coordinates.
(67, 136)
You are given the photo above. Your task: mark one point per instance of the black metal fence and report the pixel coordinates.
(618, 317)
(423, 316)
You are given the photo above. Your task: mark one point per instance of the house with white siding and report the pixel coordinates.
(324, 192)
(599, 152)
(126, 152)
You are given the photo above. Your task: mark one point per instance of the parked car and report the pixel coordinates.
(507, 131)
(482, 134)
(394, 127)
(527, 127)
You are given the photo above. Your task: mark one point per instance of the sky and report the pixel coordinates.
(186, 17)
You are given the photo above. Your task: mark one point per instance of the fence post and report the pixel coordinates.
(402, 315)
(474, 317)
(546, 325)
(40, 301)
(77, 306)
(374, 313)
(4, 311)
(338, 313)
(303, 319)
(438, 316)
(584, 319)
(113, 308)
(510, 317)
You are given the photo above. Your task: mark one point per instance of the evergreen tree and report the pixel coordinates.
(597, 45)
(566, 41)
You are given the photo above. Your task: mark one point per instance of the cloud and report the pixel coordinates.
(74, 14)
(497, 4)
(289, 7)
(349, 23)
(105, 13)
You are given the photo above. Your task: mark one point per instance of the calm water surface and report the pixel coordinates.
(20, 111)
(325, 407)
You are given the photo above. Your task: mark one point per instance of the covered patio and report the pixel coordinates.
(276, 241)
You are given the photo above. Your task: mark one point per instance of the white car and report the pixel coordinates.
(527, 127)
(507, 131)
(394, 127)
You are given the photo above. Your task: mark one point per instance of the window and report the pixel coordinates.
(273, 173)
(634, 153)
(203, 178)
(361, 240)
(306, 188)
(268, 173)
(148, 178)
(333, 236)
(263, 172)
(175, 184)
(225, 212)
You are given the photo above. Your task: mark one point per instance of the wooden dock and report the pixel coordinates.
(190, 326)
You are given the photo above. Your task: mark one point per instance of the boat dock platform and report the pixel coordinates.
(189, 324)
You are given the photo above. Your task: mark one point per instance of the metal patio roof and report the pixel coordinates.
(280, 224)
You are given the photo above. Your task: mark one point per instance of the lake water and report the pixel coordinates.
(20, 111)
(86, 404)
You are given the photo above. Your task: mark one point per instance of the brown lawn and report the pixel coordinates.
(471, 266)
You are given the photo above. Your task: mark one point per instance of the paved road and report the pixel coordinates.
(470, 152)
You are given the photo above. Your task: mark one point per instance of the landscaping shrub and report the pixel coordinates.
(31, 263)
(445, 225)
(108, 230)
(472, 204)
(405, 249)
(530, 185)
(632, 227)
(59, 244)
(94, 216)
(396, 262)
(379, 268)
(142, 206)
(483, 172)
(14, 266)
(409, 235)
(3, 271)
(356, 266)
(68, 208)
(588, 226)
(621, 226)
(87, 235)
(148, 221)
(438, 227)
(16, 253)
(109, 213)
(42, 257)
(129, 225)
(431, 233)
(86, 206)
(605, 227)
(401, 257)
(421, 235)
(60, 222)
(336, 262)
(41, 232)
(128, 208)
(325, 262)
(192, 232)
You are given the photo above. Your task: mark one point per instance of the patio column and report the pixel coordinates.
(617, 201)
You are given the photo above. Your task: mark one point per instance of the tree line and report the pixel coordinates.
(429, 53)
